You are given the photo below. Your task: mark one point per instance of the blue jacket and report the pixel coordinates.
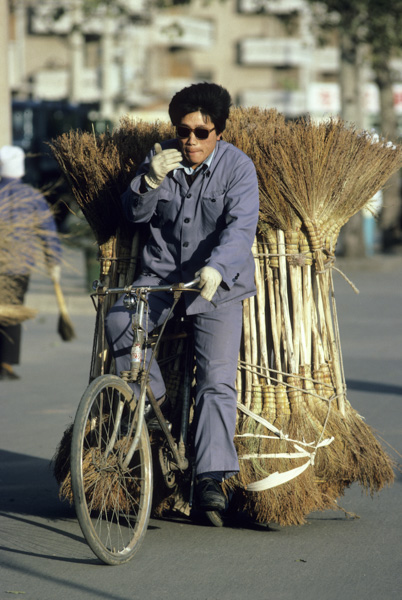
(213, 223)
(26, 219)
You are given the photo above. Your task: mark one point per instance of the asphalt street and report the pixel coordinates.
(43, 555)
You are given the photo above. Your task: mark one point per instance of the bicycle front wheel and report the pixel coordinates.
(112, 500)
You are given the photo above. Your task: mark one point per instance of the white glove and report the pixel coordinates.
(210, 278)
(55, 273)
(162, 162)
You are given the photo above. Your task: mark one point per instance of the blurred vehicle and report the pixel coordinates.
(34, 123)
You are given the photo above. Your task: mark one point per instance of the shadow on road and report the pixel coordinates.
(22, 522)
(28, 487)
(29, 496)
(31, 510)
(374, 387)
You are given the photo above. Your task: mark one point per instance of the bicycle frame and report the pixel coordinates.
(138, 357)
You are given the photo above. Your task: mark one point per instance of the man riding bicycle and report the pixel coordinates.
(199, 195)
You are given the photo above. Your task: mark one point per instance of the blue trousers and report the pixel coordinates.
(217, 340)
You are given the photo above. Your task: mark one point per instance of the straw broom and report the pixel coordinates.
(356, 422)
(261, 302)
(65, 327)
(275, 323)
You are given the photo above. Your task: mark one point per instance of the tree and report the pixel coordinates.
(5, 97)
(349, 16)
(384, 36)
(370, 30)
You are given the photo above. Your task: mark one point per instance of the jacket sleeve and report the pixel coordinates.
(232, 253)
(139, 207)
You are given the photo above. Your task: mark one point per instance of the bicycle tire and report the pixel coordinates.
(112, 503)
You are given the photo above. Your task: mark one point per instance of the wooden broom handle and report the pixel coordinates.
(59, 296)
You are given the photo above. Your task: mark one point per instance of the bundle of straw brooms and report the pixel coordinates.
(299, 441)
(23, 232)
(21, 249)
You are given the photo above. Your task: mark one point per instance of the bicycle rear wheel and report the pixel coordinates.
(112, 501)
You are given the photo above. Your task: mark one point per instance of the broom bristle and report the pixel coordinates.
(65, 328)
(61, 458)
(100, 168)
(12, 314)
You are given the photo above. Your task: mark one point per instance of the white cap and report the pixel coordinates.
(12, 162)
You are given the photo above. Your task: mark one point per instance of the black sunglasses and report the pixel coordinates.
(200, 133)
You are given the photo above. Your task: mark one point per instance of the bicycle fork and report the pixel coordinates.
(136, 359)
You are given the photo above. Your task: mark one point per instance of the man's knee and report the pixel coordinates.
(117, 321)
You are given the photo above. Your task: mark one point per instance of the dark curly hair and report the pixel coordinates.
(209, 98)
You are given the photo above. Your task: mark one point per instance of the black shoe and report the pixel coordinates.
(210, 495)
(149, 413)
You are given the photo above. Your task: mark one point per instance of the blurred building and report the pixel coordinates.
(125, 57)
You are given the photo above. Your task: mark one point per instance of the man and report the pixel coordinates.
(199, 195)
(27, 226)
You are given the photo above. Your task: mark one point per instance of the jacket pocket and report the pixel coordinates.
(213, 205)
(165, 208)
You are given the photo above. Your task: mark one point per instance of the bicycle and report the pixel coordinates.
(111, 458)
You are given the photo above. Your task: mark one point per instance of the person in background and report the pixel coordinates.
(199, 195)
(27, 225)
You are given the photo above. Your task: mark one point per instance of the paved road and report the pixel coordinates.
(43, 555)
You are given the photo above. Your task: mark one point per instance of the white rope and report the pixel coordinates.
(271, 437)
(261, 420)
(280, 455)
(275, 479)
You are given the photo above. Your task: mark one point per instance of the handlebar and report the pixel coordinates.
(172, 287)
